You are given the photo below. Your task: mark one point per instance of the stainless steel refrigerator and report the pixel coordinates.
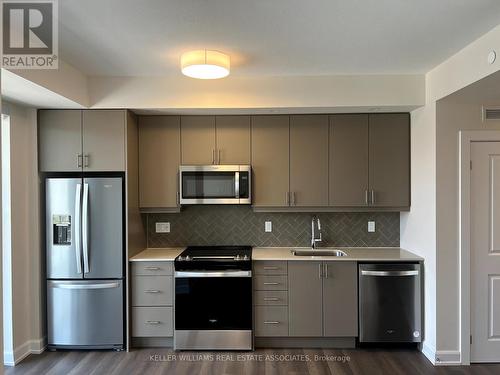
(85, 261)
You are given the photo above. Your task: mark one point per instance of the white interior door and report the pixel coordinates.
(485, 252)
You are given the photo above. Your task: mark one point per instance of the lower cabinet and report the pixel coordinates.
(322, 299)
(152, 299)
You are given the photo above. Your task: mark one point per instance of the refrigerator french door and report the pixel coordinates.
(85, 264)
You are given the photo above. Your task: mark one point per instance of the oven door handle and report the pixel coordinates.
(192, 274)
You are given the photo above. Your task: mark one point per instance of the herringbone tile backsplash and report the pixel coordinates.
(239, 225)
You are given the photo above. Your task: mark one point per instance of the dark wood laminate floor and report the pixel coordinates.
(263, 361)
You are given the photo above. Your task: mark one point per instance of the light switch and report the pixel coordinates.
(163, 227)
(268, 227)
(371, 226)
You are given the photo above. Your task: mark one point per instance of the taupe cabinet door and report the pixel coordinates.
(305, 298)
(340, 299)
(309, 160)
(233, 139)
(389, 153)
(270, 160)
(60, 140)
(159, 159)
(104, 140)
(198, 140)
(349, 160)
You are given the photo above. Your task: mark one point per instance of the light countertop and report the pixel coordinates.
(357, 254)
(158, 254)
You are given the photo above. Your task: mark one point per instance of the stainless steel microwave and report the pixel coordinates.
(215, 184)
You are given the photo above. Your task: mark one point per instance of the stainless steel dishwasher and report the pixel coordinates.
(389, 303)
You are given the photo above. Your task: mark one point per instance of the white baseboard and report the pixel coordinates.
(429, 352)
(12, 358)
(448, 358)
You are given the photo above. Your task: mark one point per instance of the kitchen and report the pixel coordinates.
(224, 232)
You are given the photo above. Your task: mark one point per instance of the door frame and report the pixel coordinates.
(466, 137)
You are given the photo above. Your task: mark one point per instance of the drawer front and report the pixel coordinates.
(152, 291)
(270, 283)
(152, 268)
(152, 322)
(270, 298)
(270, 267)
(271, 321)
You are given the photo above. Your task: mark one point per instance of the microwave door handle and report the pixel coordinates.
(85, 228)
(78, 250)
(237, 184)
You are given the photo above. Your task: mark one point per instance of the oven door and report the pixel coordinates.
(213, 312)
(215, 184)
(215, 302)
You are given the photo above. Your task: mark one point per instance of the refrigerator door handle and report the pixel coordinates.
(78, 251)
(70, 285)
(85, 228)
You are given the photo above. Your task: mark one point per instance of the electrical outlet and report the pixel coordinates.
(268, 227)
(163, 227)
(371, 226)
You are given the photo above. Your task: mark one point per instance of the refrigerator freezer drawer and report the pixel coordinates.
(85, 314)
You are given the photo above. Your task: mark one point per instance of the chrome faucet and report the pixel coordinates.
(314, 225)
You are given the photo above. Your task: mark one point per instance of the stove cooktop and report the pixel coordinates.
(214, 258)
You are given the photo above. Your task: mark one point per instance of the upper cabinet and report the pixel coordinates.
(104, 140)
(75, 141)
(370, 161)
(349, 160)
(233, 139)
(309, 160)
(270, 161)
(159, 159)
(389, 154)
(60, 140)
(198, 140)
(215, 140)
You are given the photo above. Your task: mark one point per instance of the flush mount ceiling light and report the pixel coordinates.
(205, 64)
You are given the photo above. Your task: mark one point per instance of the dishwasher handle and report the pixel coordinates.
(389, 273)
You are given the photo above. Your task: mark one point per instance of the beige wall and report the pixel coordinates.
(26, 281)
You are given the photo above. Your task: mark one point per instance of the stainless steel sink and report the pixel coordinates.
(319, 253)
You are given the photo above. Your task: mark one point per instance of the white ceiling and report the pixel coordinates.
(271, 37)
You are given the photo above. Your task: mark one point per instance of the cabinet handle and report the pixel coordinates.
(320, 270)
(151, 268)
(373, 196)
(293, 199)
(271, 322)
(151, 291)
(367, 200)
(271, 299)
(153, 322)
(326, 270)
(79, 160)
(177, 198)
(86, 159)
(270, 268)
(267, 283)
(213, 156)
(287, 198)
(218, 156)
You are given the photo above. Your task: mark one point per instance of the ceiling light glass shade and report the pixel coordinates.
(205, 64)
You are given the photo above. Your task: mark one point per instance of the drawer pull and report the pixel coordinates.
(271, 299)
(268, 283)
(151, 268)
(151, 291)
(153, 322)
(271, 322)
(270, 268)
